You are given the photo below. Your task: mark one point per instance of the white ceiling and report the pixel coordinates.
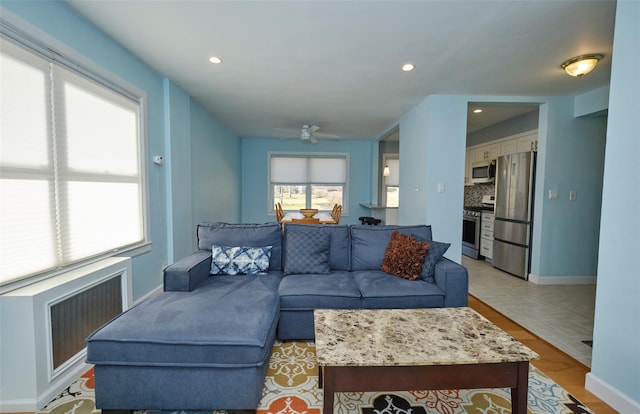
(337, 64)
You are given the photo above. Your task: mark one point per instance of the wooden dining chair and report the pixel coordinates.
(336, 213)
(279, 212)
(306, 220)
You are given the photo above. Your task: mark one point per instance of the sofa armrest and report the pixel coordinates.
(453, 279)
(185, 274)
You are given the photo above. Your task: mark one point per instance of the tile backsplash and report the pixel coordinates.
(473, 193)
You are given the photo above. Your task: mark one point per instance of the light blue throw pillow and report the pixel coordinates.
(434, 253)
(240, 260)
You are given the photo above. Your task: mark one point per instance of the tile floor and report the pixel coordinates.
(560, 314)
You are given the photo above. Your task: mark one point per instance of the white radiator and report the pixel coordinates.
(44, 327)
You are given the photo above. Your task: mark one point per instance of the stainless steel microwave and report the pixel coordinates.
(483, 172)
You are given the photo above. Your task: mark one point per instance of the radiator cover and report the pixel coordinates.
(43, 327)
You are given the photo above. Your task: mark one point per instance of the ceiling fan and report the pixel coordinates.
(310, 133)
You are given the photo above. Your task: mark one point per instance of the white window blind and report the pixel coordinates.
(308, 170)
(393, 179)
(70, 173)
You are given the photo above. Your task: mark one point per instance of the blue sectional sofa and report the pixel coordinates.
(205, 342)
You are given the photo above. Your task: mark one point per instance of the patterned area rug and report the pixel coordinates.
(291, 387)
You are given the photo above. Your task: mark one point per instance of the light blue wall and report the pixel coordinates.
(178, 165)
(171, 117)
(432, 152)
(615, 370)
(570, 157)
(216, 170)
(255, 200)
(523, 123)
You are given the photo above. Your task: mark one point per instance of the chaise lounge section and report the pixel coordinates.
(204, 343)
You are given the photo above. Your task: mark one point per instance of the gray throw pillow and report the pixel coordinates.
(307, 252)
(434, 253)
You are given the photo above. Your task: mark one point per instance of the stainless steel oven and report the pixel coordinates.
(471, 233)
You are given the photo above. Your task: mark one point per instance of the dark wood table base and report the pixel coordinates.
(514, 375)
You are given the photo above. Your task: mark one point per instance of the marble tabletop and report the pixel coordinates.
(404, 337)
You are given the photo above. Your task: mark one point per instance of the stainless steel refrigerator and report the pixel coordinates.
(515, 174)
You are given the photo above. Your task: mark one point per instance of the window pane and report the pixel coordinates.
(100, 217)
(292, 197)
(97, 131)
(327, 170)
(393, 196)
(27, 244)
(24, 121)
(324, 197)
(288, 170)
(394, 173)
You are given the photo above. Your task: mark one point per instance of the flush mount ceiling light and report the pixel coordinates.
(477, 111)
(215, 60)
(408, 67)
(581, 65)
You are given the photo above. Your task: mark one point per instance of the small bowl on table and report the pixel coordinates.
(308, 212)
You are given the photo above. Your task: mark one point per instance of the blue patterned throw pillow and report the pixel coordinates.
(240, 260)
(307, 252)
(435, 251)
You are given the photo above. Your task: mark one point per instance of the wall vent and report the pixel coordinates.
(77, 316)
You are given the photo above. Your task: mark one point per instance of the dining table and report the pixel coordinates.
(325, 218)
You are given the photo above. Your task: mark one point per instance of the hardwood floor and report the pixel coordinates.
(563, 369)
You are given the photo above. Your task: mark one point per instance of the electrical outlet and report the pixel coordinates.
(553, 194)
(441, 187)
(573, 194)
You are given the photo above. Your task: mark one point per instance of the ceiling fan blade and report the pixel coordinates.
(313, 139)
(323, 135)
(313, 129)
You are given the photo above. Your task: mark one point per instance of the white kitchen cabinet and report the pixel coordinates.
(486, 234)
(486, 152)
(528, 143)
(509, 146)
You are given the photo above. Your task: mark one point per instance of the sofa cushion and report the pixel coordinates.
(368, 243)
(307, 252)
(228, 321)
(404, 256)
(339, 242)
(250, 235)
(240, 260)
(381, 290)
(333, 291)
(434, 253)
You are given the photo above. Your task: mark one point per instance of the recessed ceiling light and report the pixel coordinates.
(408, 67)
(477, 111)
(215, 59)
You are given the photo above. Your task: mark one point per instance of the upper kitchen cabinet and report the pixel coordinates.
(479, 153)
(523, 142)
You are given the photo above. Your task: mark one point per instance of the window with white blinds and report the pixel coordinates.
(308, 181)
(71, 183)
(392, 182)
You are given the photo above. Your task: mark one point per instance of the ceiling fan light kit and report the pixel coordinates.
(581, 65)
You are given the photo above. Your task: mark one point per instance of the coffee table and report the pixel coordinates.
(417, 349)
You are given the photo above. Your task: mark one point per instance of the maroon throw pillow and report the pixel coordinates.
(404, 256)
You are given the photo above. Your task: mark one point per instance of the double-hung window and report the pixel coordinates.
(308, 181)
(71, 182)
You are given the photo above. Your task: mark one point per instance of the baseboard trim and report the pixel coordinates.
(610, 395)
(154, 292)
(562, 280)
